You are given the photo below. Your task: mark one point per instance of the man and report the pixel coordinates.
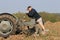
(32, 13)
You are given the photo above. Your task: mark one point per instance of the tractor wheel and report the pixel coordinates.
(8, 24)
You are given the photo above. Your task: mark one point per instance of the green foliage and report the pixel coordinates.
(50, 16)
(53, 17)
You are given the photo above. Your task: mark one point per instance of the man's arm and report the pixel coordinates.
(28, 14)
(31, 14)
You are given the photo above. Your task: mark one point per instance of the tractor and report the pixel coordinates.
(9, 25)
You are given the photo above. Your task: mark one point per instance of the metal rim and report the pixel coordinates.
(11, 27)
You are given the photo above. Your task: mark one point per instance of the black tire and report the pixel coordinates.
(12, 19)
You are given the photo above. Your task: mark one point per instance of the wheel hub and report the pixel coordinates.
(5, 27)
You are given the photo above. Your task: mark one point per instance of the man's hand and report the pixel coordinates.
(27, 11)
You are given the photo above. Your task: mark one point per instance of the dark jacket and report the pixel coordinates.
(33, 14)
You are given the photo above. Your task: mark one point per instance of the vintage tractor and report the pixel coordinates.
(9, 25)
